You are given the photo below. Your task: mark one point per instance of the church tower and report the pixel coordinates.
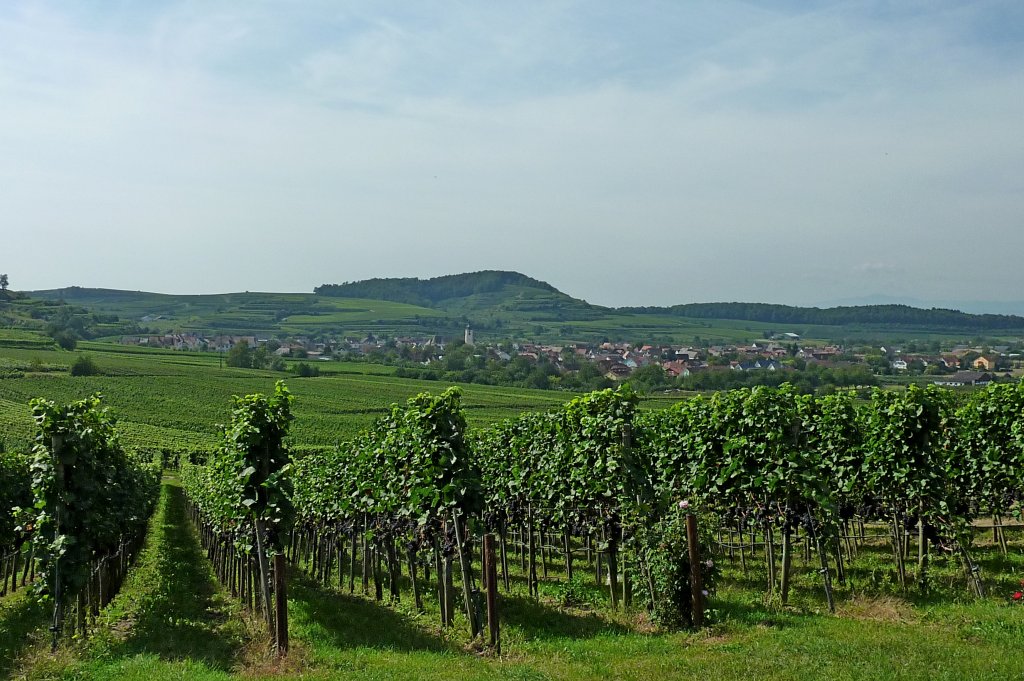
(469, 335)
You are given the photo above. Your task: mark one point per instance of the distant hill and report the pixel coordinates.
(1004, 307)
(430, 292)
(873, 315)
(498, 305)
(473, 293)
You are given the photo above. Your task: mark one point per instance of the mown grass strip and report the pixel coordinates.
(171, 620)
(20, 617)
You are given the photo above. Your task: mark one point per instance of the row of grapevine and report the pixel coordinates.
(413, 493)
(15, 493)
(575, 475)
(772, 460)
(401, 491)
(239, 500)
(90, 507)
(598, 477)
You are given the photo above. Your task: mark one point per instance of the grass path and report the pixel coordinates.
(170, 620)
(20, 619)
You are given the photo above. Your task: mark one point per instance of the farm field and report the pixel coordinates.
(168, 399)
(173, 620)
(247, 312)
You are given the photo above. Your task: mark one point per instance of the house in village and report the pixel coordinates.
(985, 363)
(965, 378)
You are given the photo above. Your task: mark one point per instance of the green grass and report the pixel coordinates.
(167, 399)
(174, 400)
(879, 631)
(21, 618)
(171, 618)
(172, 621)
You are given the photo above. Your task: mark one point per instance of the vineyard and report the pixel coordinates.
(612, 516)
(175, 400)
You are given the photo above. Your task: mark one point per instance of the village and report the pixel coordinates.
(960, 364)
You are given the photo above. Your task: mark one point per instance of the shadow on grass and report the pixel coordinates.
(538, 620)
(19, 617)
(176, 613)
(351, 622)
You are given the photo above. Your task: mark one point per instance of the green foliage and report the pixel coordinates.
(66, 338)
(408, 473)
(246, 480)
(575, 463)
(989, 462)
(84, 365)
(90, 497)
(664, 548)
(431, 291)
(906, 453)
(649, 377)
(575, 592)
(15, 492)
(304, 370)
(240, 355)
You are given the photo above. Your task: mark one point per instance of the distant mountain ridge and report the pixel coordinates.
(492, 288)
(890, 314)
(998, 307)
(503, 304)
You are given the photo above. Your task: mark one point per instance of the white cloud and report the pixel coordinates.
(776, 156)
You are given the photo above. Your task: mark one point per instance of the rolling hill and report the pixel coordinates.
(509, 305)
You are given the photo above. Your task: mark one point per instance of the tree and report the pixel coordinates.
(84, 366)
(306, 371)
(239, 355)
(649, 377)
(66, 339)
(260, 358)
(4, 282)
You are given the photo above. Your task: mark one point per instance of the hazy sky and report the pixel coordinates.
(626, 152)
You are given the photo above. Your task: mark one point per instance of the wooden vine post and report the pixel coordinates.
(57, 443)
(280, 604)
(787, 560)
(696, 583)
(922, 553)
(491, 585)
(613, 567)
(467, 580)
(826, 574)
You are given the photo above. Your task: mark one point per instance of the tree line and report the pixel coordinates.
(889, 315)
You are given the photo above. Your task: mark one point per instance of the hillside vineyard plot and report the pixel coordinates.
(593, 490)
(782, 469)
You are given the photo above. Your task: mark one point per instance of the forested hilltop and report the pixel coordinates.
(897, 315)
(430, 292)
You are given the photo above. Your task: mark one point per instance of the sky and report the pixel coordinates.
(629, 153)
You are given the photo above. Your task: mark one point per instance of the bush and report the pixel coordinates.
(84, 366)
(667, 558)
(306, 371)
(577, 591)
(67, 340)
